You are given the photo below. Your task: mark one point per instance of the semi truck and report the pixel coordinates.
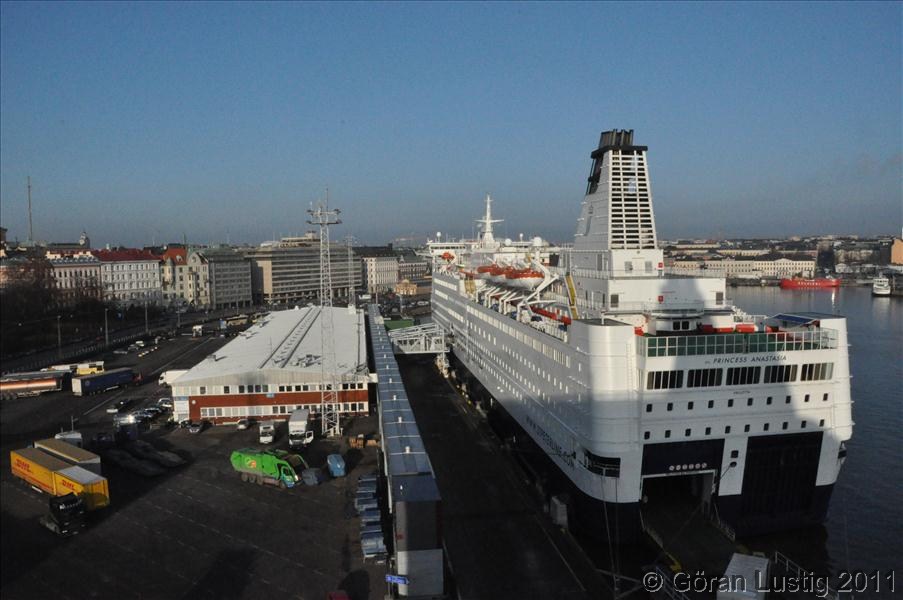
(167, 377)
(298, 432)
(58, 478)
(66, 515)
(274, 467)
(71, 454)
(100, 382)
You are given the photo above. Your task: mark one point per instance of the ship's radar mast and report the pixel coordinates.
(486, 236)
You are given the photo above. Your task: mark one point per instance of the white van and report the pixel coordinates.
(267, 432)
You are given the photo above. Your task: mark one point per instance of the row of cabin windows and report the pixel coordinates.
(265, 388)
(663, 380)
(730, 402)
(727, 429)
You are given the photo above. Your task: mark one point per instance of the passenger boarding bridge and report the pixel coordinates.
(413, 496)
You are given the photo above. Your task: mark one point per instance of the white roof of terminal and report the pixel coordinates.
(288, 342)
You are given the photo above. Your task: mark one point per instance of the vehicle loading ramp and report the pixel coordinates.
(686, 535)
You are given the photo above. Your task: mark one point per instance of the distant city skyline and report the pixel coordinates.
(143, 123)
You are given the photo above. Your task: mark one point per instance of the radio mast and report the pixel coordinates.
(30, 230)
(323, 217)
(352, 289)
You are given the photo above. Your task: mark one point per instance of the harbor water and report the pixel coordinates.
(864, 528)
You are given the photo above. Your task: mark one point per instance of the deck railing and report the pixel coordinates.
(737, 343)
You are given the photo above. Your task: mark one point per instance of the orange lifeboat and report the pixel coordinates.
(524, 278)
(547, 313)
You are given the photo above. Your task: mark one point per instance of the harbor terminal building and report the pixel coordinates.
(277, 366)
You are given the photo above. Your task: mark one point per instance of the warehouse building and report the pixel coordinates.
(276, 367)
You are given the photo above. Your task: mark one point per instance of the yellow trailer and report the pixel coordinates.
(92, 488)
(59, 478)
(36, 468)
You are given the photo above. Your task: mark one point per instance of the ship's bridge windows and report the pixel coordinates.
(780, 373)
(659, 380)
(743, 375)
(704, 377)
(817, 371)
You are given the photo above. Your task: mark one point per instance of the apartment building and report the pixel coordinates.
(129, 276)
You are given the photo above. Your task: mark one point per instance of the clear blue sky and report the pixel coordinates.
(224, 121)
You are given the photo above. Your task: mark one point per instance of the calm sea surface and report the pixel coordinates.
(864, 529)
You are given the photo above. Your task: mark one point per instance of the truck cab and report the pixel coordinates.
(267, 432)
(299, 433)
(66, 515)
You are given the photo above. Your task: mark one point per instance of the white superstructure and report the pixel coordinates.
(623, 373)
(881, 286)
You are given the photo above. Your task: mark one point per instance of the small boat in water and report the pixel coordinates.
(798, 283)
(881, 286)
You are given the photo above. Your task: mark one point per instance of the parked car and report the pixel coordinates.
(243, 424)
(153, 410)
(120, 351)
(195, 426)
(164, 402)
(140, 415)
(119, 405)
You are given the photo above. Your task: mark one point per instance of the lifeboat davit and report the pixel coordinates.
(448, 256)
(524, 278)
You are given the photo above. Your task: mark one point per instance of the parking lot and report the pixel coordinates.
(196, 531)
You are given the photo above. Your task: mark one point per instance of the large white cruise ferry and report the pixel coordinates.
(643, 387)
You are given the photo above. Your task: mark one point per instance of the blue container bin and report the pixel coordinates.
(336, 465)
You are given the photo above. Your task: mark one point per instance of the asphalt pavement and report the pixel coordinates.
(196, 531)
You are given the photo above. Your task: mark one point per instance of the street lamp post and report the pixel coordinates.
(106, 327)
(146, 328)
(59, 338)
